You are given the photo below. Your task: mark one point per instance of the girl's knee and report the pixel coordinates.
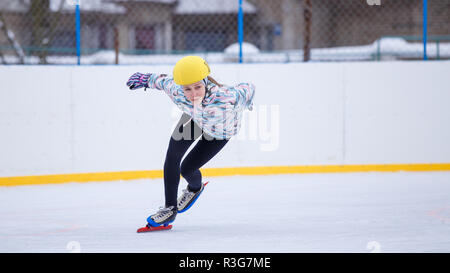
(186, 170)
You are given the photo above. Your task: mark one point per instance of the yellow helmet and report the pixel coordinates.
(190, 69)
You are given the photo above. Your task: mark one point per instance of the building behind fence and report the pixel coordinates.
(159, 31)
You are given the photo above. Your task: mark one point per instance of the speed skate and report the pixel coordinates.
(149, 228)
(185, 202)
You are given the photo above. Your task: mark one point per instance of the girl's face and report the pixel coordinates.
(195, 92)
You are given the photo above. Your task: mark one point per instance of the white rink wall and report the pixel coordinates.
(69, 119)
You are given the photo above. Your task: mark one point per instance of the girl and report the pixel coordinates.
(211, 112)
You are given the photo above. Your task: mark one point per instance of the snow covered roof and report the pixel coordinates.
(66, 6)
(212, 6)
(145, 1)
(14, 6)
(114, 7)
(87, 6)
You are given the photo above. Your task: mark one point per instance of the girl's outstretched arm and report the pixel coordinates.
(157, 81)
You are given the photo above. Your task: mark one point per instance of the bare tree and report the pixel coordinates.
(307, 13)
(12, 40)
(39, 14)
(43, 26)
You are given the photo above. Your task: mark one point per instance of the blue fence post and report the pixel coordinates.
(425, 24)
(240, 29)
(78, 30)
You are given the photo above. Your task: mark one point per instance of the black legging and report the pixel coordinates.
(185, 133)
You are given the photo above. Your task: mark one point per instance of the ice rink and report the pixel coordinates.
(345, 212)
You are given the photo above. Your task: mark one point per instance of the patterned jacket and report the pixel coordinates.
(221, 110)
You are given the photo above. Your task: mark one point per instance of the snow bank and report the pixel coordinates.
(383, 49)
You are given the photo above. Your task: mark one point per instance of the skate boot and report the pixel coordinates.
(163, 217)
(188, 198)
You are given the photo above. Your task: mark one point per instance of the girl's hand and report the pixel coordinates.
(138, 80)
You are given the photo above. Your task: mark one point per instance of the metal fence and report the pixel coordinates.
(159, 31)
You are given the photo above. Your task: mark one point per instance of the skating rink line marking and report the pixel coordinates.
(266, 170)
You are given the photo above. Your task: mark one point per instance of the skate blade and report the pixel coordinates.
(148, 229)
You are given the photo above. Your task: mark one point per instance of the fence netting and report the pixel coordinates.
(160, 31)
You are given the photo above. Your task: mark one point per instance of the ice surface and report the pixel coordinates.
(348, 212)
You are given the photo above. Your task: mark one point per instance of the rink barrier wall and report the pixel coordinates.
(82, 123)
(214, 172)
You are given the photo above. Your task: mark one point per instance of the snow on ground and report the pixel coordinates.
(384, 49)
(348, 212)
